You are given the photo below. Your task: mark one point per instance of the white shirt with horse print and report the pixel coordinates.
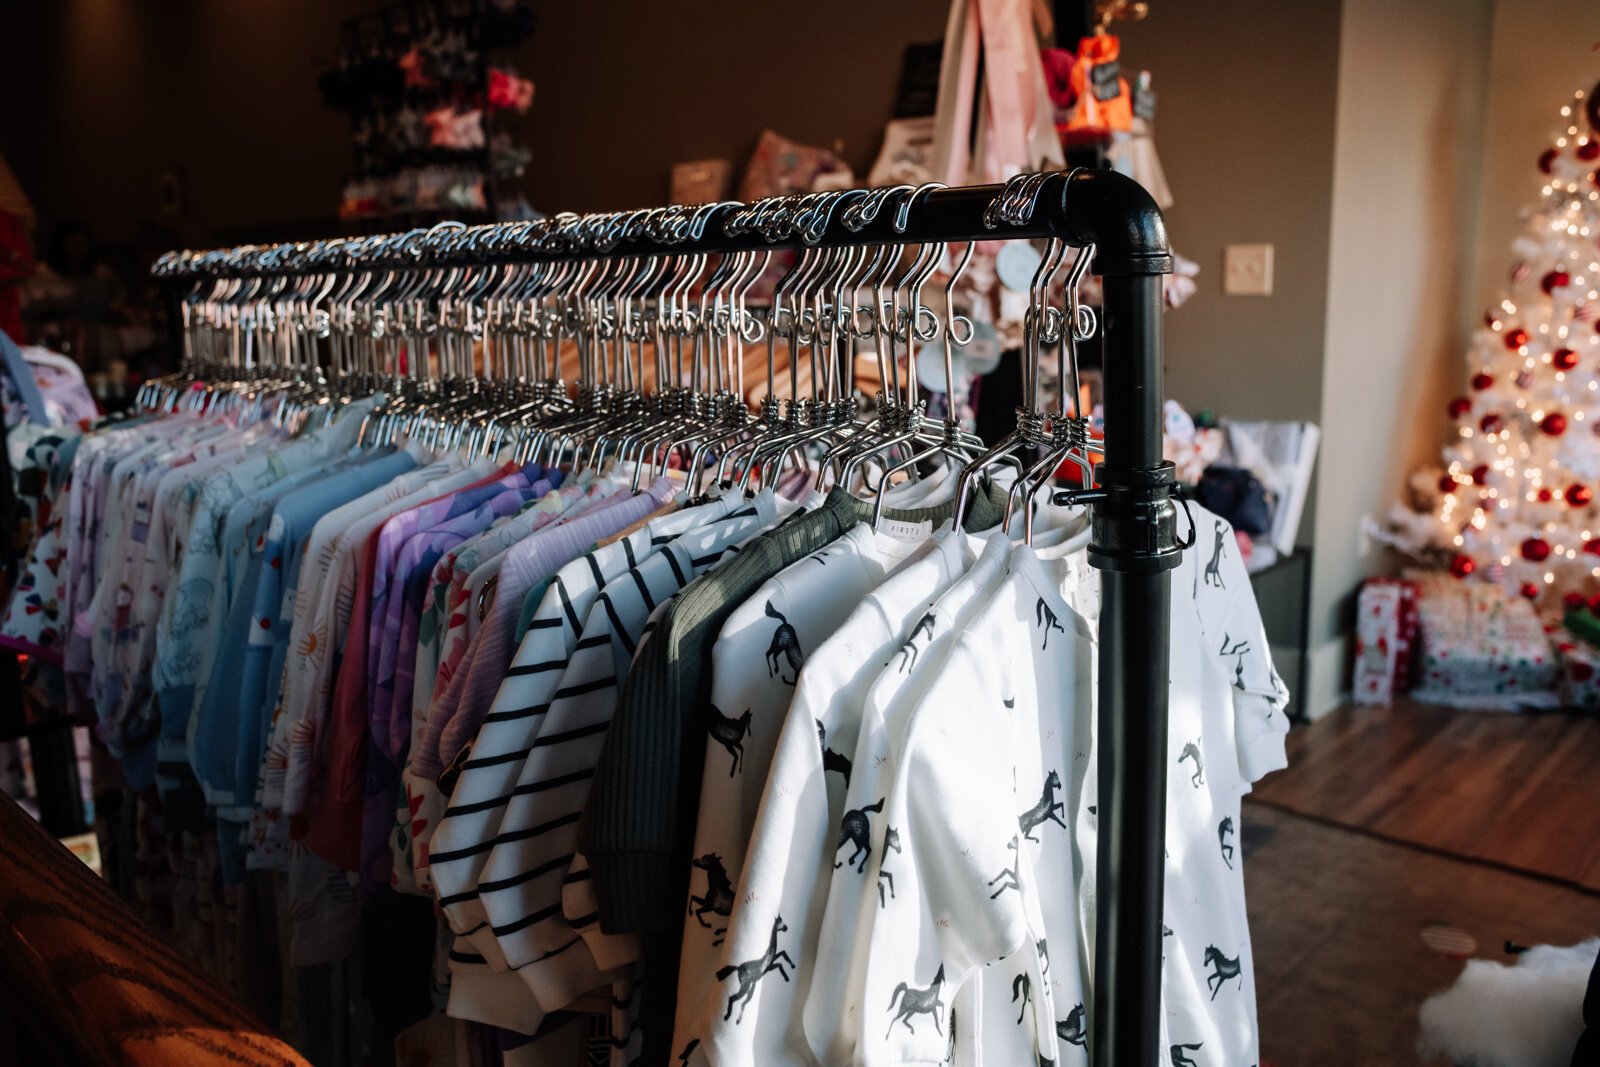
(996, 778)
(756, 666)
(983, 802)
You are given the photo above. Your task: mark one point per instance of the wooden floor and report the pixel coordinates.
(1335, 917)
(1388, 820)
(1522, 791)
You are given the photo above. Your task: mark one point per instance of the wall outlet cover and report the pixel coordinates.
(1247, 270)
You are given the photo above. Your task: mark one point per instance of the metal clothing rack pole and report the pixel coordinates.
(1133, 539)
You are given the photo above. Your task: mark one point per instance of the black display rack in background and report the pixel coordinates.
(389, 139)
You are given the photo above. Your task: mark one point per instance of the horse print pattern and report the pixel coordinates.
(891, 843)
(1225, 831)
(908, 651)
(730, 734)
(1073, 1029)
(1042, 947)
(1240, 649)
(1008, 877)
(1213, 572)
(785, 644)
(854, 829)
(1223, 970)
(1180, 1054)
(1021, 989)
(1046, 620)
(917, 1002)
(1046, 810)
(752, 971)
(831, 760)
(1192, 749)
(718, 897)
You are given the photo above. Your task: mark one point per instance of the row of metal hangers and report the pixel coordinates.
(471, 348)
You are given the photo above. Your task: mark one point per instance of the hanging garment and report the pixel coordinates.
(804, 801)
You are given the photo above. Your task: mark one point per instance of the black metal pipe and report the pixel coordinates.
(1134, 546)
(1101, 207)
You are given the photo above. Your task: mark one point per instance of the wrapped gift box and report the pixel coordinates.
(1386, 625)
(1580, 671)
(1479, 648)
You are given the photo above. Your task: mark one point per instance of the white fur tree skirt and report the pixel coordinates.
(1526, 1015)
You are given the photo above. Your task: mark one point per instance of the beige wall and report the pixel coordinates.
(1405, 176)
(1542, 51)
(626, 90)
(1247, 91)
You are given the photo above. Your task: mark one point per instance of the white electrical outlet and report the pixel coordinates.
(1247, 270)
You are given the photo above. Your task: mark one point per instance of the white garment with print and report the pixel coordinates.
(794, 842)
(756, 665)
(853, 902)
(981, 799)
(1032, 654)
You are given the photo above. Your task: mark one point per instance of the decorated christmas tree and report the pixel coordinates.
(1514, 501)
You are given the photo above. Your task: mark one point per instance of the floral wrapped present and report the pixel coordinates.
(1386, 625)
(1479, 648)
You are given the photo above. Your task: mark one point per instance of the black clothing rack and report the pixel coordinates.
(1133, 516)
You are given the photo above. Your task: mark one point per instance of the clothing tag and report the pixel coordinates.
(912, 533)
(1103, 78)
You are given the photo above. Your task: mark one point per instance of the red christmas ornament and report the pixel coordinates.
(1516, 337)
(1547, 160)
(1530, 590)
(1579, 495)
(1461, 565)
(1563, 359)
(1545, 495)
(1535, 550)
(1480, 474)
(1447, 483)
(1555, 279)
(1592, 546)
(1554, 424)
(1491, 423)
(1459, 407)
(1589, 150)
(1573, 601)
(1482, 380)
(1594, 604)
